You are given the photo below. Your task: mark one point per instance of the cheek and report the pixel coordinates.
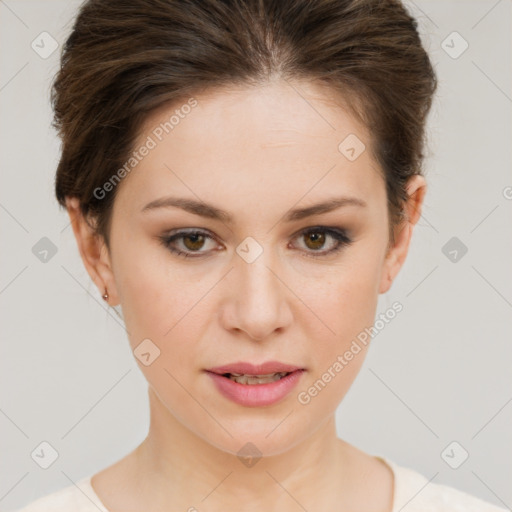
(161, 308)
(347, 301)
(337, 358)
(158, 300)
(347, 304)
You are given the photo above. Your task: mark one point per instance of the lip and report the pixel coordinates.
(255, 369)
(255, 395)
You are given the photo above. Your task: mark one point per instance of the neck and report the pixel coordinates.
(183, 469)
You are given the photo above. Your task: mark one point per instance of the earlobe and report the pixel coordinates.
(396, 255)
(92, 251)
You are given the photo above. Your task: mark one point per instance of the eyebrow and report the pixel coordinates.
(211, 212)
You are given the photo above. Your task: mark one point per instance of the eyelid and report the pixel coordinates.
(180, 233)
(340, 235)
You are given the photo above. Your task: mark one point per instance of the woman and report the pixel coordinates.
(243, 179)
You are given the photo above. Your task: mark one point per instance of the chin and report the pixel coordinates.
(259, 437)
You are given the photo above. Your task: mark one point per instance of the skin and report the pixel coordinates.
(257, 153)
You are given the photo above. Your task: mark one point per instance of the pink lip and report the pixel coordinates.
(258, 369)
(255, 395)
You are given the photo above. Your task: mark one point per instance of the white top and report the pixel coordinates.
(412, 493)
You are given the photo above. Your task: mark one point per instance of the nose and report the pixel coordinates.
(258, 302)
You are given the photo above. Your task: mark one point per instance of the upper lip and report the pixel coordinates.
(245, 368)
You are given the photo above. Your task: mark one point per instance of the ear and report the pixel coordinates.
(416, 188)
(93, 251)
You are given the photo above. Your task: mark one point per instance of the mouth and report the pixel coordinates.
(251, 380)
(248, 373)
(256, 385)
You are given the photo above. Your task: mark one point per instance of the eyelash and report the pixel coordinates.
(338, 234)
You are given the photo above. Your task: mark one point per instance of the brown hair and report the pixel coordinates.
(124, 59)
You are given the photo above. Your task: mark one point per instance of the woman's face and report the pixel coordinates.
(261, 286)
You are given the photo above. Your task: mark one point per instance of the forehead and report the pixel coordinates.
(303, 108)
(259, 142)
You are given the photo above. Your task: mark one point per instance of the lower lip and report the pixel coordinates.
(256, 395)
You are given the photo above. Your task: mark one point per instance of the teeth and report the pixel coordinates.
(256, 379)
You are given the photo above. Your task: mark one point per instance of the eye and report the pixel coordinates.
(316, 238)
(191, 241)
(188, 244)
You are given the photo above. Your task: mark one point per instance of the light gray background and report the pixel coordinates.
(439, 372)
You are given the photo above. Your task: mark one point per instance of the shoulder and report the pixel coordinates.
(414, 493)
(76, 498)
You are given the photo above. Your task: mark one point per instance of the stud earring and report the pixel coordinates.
(106, 295)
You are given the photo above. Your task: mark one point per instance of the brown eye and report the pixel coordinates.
(188, 244)
(316, 239)
(196, 241)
